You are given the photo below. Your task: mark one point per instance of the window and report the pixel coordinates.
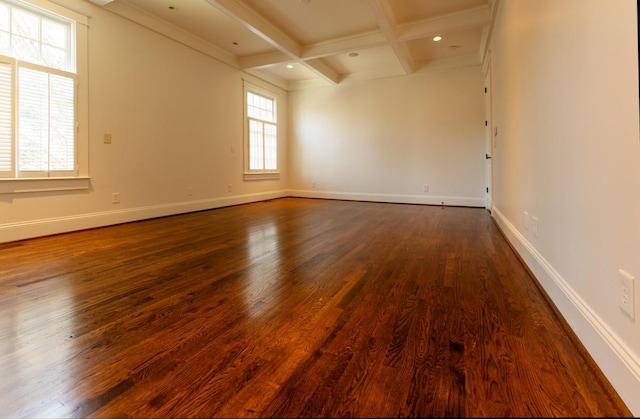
(261, 150)
(38, 93)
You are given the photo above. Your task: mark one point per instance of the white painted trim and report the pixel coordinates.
(27, 185)
(62, 10)
(394, 198)
(616, 360)
(44, 227)
(261, 175)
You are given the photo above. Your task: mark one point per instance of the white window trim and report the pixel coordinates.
(50, 184)
(82, 180)
(258, 174)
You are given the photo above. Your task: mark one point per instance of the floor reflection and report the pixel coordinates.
(36, 338)
(264, 261)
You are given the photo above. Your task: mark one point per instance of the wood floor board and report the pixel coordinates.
(288, 308)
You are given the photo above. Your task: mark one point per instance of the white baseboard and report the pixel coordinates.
(616, 360)
(43, 227)
(462, 201)
(48, 226)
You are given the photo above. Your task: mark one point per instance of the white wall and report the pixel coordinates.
(565, 102)
(383, 140)
(174, 114)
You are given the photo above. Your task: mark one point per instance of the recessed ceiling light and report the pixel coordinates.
(437, 38)
(353, 54)
(289, 65)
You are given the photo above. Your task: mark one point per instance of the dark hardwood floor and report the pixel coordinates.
(287, 308)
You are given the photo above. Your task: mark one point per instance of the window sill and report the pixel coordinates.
(31, 185)
(262, 176)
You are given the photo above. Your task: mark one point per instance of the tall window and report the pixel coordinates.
(262, 139)
(38, 135)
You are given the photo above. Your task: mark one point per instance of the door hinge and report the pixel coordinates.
(487, 190)
(486, 123)
(485, 90)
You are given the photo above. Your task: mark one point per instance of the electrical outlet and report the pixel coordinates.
(229, 188)
(313, 184)
(115, 197)
(626, 293)
(106, 138)
(425, 188)
(189, 191)
(534, 226)
(527, 221)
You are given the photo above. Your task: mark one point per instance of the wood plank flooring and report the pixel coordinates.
(287, 308)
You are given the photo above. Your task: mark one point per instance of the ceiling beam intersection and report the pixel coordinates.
(386, 21)
(257, 24)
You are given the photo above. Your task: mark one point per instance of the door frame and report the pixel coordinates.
(488, 132)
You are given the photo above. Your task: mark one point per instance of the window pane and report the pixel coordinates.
(26, 24)
(33, 120)
(37, 108)
(61, 125)
(262, 132)
(6, 118)
(54, 33)
(270, 147)
(251, 105)
(5, 44)
(26, 49)
(260, 107)
(255, 146)
(36, 39)
(54, 57)
(4, 18)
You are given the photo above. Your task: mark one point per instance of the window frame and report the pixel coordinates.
(259, 174)
(79, 178)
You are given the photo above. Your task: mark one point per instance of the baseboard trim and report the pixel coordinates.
(616, 360)
(462, 201)
(48, 226)
(44, 227)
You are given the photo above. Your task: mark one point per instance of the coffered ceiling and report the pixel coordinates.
(300, 43)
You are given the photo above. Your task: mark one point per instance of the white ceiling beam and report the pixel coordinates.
(253, 21)
(384, 17)
(258, 62)
(323, 70)
(257, 24)
(439, 25)
(323, 49)
(343, 45)
(264, 60)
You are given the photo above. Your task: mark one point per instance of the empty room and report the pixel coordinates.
(319, 208)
